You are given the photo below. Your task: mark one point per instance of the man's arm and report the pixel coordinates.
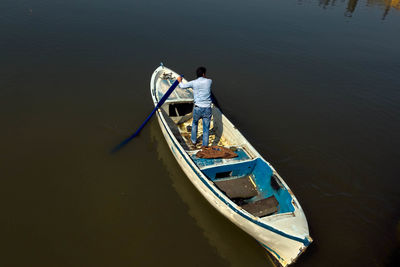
(184, 85)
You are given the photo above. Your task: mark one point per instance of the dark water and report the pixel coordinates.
(314, 85)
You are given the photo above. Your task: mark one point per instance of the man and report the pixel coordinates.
(202, 103)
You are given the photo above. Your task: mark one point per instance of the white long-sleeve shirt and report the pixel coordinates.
(201, 91)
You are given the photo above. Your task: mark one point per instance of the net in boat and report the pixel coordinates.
(216, 152)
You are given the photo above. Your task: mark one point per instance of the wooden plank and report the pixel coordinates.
(237, 187)
(262, 207)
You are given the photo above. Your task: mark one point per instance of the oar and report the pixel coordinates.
(159, 104)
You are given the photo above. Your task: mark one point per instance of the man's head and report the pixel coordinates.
(201, 72)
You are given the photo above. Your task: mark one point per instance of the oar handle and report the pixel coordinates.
(168, 93)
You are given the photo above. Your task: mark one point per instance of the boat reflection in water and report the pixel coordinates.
(351, 5)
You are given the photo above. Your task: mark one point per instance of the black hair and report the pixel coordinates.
(200, 71)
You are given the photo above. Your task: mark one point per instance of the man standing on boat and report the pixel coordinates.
(202, 103)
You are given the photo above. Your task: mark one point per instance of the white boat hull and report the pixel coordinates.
(284, 236)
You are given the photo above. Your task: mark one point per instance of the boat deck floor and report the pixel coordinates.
(183, 136)
(214, 137)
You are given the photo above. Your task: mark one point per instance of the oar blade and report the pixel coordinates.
(159, 104)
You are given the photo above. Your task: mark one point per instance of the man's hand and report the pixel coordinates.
(179, 79)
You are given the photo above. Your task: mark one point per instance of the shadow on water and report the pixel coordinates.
(232, 244)
(394, 257)
(217, 117)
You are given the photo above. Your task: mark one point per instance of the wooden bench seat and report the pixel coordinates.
(237, 187)
(262, 207)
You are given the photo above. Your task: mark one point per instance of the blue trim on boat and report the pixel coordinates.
(270, 250)
(305, 241)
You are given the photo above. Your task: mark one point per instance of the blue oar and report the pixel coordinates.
(159, 104)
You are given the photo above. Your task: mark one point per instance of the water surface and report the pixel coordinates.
(313, 85)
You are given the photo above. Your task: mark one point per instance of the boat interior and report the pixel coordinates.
(246, 179)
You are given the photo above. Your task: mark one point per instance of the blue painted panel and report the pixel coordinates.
(205, 162)
(238, 169)
(285, 201)
(262, 177)
(241, 154)
(261, 173)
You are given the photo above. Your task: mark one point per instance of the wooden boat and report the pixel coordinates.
(246, 189)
